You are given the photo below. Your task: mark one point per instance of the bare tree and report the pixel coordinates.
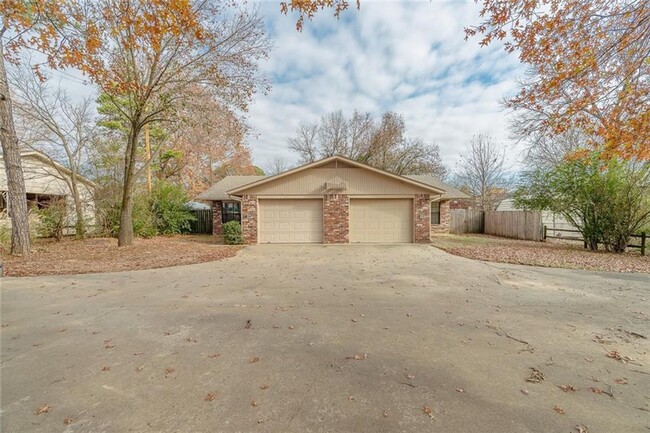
(482, 173)
(333, 134)
(383, 145)
(305, 143)
(277, 165)
(58, 128)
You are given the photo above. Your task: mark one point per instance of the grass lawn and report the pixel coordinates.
(556, 254)
(73, 256)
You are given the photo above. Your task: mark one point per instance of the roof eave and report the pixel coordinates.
(239, 191)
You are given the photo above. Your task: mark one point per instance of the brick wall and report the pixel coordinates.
(336, 222)
(422, 214)
(443, 227)
(217, 224)
(249, 218)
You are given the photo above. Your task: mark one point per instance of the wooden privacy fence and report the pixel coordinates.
(203, 222)
(514, 224)
(466, 221)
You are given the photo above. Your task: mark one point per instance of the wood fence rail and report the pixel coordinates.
(514, 224)
(642, 246)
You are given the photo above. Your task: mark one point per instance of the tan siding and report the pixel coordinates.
(41, 178)
(359, 182)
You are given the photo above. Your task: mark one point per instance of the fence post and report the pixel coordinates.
(643, 237)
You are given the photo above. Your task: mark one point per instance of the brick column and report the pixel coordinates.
(422, 213)
(336, 219)
(443, 227)
(217, 224)
(249, 218)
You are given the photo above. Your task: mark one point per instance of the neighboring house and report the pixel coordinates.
(334, 200)
(45, 182)
(551, 220)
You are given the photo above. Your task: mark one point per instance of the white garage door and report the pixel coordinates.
(381, 220)
(290, 221)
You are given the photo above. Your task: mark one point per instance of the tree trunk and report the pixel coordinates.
(17, 198)
(125, 232)
(80, 224)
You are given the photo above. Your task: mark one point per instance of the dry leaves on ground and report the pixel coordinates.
(44, 408)
(554, 254)
(536, 376)
(75, 256)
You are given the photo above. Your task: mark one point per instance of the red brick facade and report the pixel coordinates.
(422, 216)
(443, 227)
(336, 221)
(217, 224)
(249, 218)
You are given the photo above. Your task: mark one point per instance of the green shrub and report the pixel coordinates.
(232, 233)
(169, 206)
(52, 220)
(165, 212)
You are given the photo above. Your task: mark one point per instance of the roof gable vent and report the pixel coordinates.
(336, 184)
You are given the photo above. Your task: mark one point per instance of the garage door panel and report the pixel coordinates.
(291, 221)
(381, 220)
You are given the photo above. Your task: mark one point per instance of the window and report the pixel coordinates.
(230, 211)
(3, 203)
(435, 212)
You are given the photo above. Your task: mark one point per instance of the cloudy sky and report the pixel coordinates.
(409, 57)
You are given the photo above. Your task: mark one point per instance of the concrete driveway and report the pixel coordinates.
(353, 338)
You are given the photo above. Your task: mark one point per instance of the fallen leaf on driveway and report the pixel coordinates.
(169, 371)
(460, 390)
(427, 411)
(385, 414)
(44, 408)
(358, 357)
(290, 326)
(253, 403)
(249, 324)
(265, 386)
(595, 390)
(210, 396)
(621, 381)
(214, 355)
(67, 421)
(567, 388)
(581, 428)
(536, 376)
(106, 368)
(524, 391)
(254, 359)
(192, 340)
(558, 409)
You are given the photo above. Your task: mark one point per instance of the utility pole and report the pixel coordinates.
(148, 151)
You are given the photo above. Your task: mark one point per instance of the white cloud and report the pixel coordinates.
(407, 57)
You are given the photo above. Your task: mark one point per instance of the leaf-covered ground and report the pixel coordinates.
(553, 254)
(72, 256)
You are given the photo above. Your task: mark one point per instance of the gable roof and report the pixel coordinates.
(32, 154)
(451, 193)
(241, 189)
(218, 191)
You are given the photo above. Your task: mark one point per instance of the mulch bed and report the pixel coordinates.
(72, 256)
(555, 254)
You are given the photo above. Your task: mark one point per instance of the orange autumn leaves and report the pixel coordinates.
(588, 67)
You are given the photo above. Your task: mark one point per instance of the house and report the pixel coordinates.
(334, 200)
(45, 182)
(551, 220)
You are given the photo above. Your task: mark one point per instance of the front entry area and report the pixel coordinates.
(381, 220)
(286, 221)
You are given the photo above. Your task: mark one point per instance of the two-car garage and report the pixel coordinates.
(370, 220)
